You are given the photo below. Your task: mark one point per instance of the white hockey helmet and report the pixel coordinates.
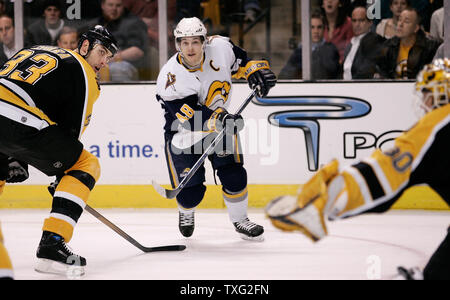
(189, 27)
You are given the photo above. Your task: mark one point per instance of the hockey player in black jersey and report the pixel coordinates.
(195, 85)
(46, 100)
(420, 156)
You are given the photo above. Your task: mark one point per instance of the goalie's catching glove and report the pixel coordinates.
(306, 212)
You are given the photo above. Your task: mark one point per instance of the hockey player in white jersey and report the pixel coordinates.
(194, 89)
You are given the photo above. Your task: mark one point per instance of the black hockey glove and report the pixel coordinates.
(262, 81)
(221, 119)
(17, 171)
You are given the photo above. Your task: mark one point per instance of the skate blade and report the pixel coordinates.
(259, 238)
(48, 266)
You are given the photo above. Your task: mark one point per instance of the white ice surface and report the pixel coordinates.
(355, 247)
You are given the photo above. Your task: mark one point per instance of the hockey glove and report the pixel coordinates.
(221, 119)
(17, 171)
(262, 81)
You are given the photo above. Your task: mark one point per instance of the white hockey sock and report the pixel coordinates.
(186, 210)
(237, 204)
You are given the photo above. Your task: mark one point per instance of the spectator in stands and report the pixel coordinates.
(131, 35)
(405, 54)
(7, 39)
(187, 9)
(362, 52)
(251, 9)
(32, 10)
(387, 27)
(90, 9)
(147, 10)
(2, 7)
(437, 24)
(324, 56)
(45, 30)
(67, 38)
(338, 26)
(440, 52)
(425, 10)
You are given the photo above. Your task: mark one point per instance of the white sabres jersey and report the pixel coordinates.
(211, 82)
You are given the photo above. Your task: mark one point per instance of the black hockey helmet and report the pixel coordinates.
(99, 35)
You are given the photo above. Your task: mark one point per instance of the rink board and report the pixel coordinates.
(347, 121)
(141, 196)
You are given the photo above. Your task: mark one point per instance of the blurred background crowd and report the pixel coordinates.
(345, 43)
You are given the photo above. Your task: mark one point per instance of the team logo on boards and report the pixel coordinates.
(334, 107)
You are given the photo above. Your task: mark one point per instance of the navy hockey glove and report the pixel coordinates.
(221, 119)
(262, 81)
(17, 171)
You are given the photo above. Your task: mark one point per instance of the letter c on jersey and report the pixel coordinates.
(335, 107)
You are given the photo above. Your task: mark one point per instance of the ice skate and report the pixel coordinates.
(55, 257)
(249, 231)
(186, 222)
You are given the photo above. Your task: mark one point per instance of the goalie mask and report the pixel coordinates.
(433, 85)
(189, 27)
(99, 35)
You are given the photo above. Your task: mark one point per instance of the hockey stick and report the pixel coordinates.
(129, 238)
(170, 194)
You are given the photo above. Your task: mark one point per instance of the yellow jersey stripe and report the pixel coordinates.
(91, 92)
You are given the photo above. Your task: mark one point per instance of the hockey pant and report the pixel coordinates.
(230, 171)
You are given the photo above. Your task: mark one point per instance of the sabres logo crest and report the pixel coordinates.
(171, 79)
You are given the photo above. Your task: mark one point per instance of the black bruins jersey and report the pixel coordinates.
(46, 85)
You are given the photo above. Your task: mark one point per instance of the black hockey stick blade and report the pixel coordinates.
(163, 248)
(169, 194)
(135, 243)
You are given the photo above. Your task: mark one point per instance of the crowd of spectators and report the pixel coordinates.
(346, 44)
(396, 47)
(132, 22)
